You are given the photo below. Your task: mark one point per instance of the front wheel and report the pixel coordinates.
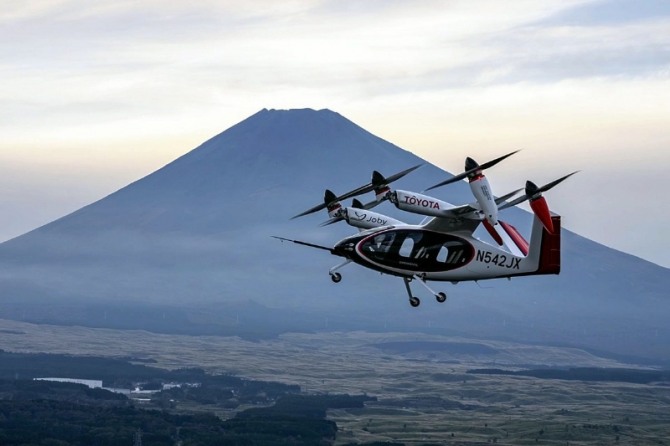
(441, 297)
(414, 301)
(336, 277)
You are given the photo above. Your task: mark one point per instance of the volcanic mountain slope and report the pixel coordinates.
(196, 235)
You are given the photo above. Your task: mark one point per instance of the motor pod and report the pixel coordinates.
(481, 189)
(539, 206)
(419, 204)
(363, 219)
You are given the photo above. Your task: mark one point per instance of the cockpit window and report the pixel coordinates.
(381, 243)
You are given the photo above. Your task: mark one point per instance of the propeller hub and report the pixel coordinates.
(378, 179)
(329, 197)
(470, 164)
(532, 191)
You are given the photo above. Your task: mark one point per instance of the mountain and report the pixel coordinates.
(188, 249)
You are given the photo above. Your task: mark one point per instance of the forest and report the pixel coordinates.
(57, 413)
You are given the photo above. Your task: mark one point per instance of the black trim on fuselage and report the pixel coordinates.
(415, 250)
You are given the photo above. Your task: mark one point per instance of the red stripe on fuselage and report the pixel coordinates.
(516, 237)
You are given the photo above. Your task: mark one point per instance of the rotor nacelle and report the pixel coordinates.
(364, 219)
(481, 189)
(539, 205)
(418, 203)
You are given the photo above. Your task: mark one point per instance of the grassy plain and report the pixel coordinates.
(424, 393)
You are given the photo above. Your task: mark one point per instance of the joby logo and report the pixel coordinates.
(371, 219)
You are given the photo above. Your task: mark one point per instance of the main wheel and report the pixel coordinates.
(336, 277)
(441, 297)
(414, 301)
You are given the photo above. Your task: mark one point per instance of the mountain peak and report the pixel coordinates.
(286, 130)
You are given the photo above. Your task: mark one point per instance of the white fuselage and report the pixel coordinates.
(413, 250)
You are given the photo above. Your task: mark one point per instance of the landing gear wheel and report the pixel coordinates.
(414, 301)
(441, 297)
(336, 277)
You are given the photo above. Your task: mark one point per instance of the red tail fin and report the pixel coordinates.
(550, 251)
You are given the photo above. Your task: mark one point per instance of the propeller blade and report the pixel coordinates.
(399, 175)
(311, 210)
(331, 221)
(358, 191)
(373, 203)
(458, 177)
(507, 196)
(532, 189)
(548, 186)
(472, 170)
(371, 186)
(514, 202)
(497, 160)
(328, 198)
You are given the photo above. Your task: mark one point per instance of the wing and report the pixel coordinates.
(462, 218)
(452, 223)
(459, 218)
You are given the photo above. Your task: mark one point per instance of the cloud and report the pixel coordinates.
(611, 12)
(103, 85)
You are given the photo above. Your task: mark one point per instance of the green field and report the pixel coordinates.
(424, 393)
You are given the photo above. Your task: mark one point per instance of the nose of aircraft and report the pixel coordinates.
(344, 248)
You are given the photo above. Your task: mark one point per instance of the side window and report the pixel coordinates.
(412, 245)
(456, 257)
(406, 247)
(451, 253)
(442, 254)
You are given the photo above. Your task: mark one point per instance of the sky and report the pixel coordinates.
(95, 95)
